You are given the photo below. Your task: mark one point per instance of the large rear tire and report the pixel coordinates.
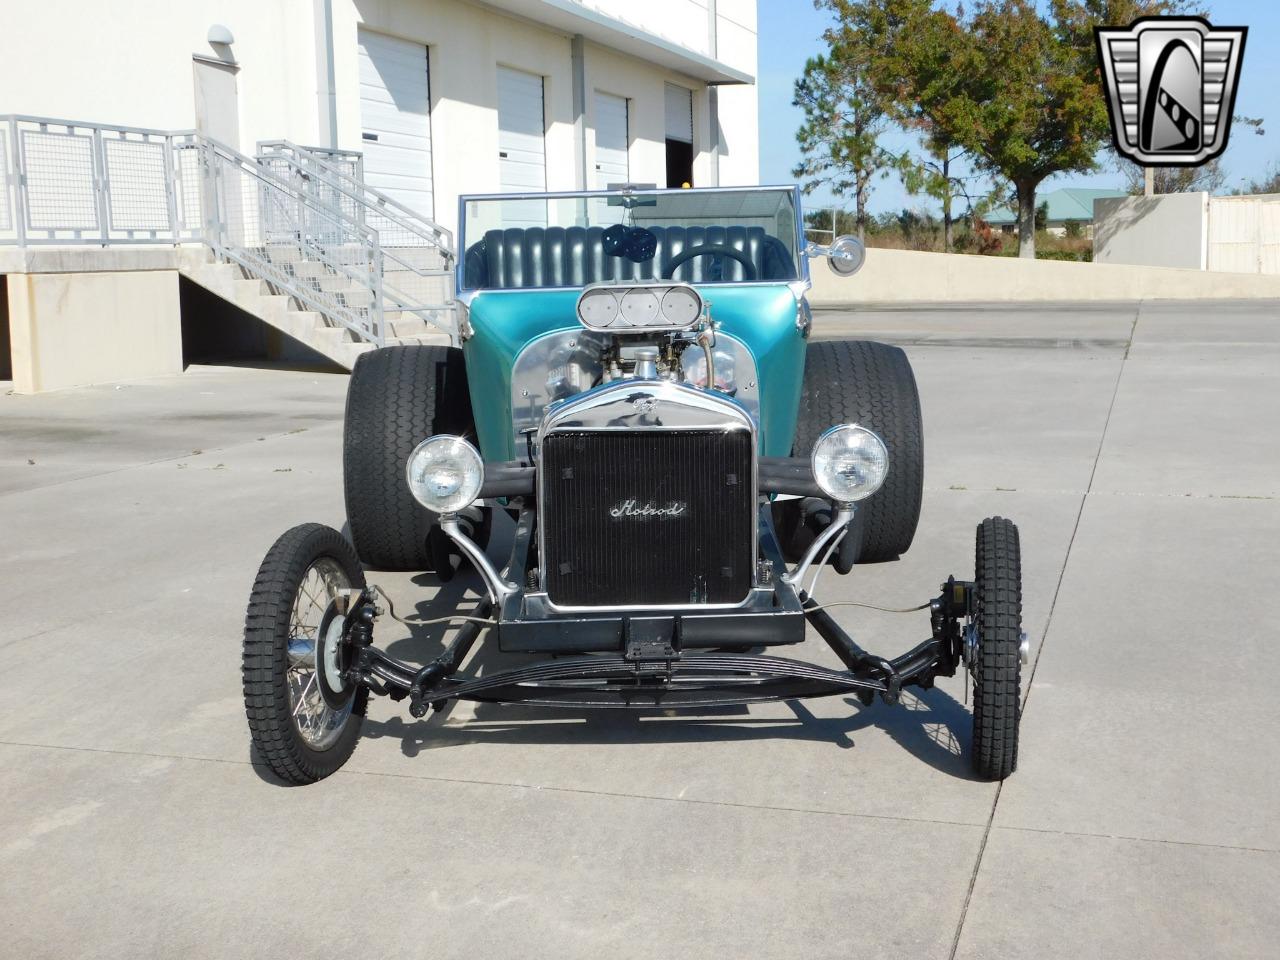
(996, 656)
(398, 396)
(869, 383)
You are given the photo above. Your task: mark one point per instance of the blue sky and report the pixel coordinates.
(791, 30)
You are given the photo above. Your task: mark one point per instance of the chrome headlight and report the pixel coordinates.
(849, 463)
(445, 473)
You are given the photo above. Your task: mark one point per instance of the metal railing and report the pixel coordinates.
(69, 182)
(418, 252)
(302, 247)
(300, 218)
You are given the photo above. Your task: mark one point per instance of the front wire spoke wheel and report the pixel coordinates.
(317, 723)
(301, 732)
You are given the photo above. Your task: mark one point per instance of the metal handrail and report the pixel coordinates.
(261, 221)
(409, 285)
(389, 207)
(313, 230)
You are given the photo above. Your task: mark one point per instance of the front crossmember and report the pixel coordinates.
(653, 671)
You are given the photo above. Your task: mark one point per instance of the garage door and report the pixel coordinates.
(522, 156)
(395, 119)
(611, 140)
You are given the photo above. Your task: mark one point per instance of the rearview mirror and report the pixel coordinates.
(845, 256)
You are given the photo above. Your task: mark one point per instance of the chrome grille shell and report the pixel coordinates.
(634, 406)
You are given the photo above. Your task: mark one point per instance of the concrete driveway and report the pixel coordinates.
(1135, 444)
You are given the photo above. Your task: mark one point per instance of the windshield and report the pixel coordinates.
(573, 239)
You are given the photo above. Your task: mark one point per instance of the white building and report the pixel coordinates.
(444, 97)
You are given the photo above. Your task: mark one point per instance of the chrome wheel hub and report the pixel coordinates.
(319, 724)
(971, 646)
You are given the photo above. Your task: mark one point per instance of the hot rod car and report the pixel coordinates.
(636, 387)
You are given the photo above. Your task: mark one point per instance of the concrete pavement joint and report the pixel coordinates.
(1130, 839)
(348, 772)
(1057, 590)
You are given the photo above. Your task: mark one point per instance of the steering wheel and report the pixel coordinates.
(709, 250)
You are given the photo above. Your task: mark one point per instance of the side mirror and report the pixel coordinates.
(846, 255)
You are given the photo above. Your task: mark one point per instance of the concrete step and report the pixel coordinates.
(282, 252)
(251, 287)
(356, 297)
(434, 338)
(311, 268)
(282, 312)
(336, 283)
(333, 335)
(411, 325)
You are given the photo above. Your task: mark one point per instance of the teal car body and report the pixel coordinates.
(521, 277)
(763, 317)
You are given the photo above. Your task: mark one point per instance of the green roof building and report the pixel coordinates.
(1066, 205)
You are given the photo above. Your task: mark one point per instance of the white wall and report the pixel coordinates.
(1244, 234)
(130, 64)
(1168, 230)
(904, 276)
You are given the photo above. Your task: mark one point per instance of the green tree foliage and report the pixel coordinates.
(1013, 82)
(843, 120)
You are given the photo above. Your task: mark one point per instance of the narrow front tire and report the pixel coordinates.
(993, 644)
(300, 736)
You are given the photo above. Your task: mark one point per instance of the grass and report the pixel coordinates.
(989, 243)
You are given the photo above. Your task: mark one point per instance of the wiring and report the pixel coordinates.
(419, 622)
(870, 606)
(813, 584)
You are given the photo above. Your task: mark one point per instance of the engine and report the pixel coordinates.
(647, 484)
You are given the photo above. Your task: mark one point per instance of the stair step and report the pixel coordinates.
(433, 338)
(357, 297)
(311, 268)
(282, 252)
(333, 335)
(251, 288)
(336, 282)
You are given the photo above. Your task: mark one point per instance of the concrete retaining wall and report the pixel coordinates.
(912, 276)
(72, 329)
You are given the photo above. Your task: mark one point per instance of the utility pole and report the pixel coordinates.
(1149, 182)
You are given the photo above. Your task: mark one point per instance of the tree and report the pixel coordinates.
(1018, 88)
(1270, 183)
(1209, 177)
(843, 122)
(932, 176)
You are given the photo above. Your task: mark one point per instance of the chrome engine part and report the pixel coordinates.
(567, 363)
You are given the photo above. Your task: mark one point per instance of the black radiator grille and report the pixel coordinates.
(648, 518)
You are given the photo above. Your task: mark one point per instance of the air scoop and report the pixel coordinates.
(639, 307)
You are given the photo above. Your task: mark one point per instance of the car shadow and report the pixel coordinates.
(930, 725)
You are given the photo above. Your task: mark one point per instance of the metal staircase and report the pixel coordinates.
(292, 236)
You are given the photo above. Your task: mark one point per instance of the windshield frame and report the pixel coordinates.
(465, 293)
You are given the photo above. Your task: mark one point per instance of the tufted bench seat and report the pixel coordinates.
(574, 256)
